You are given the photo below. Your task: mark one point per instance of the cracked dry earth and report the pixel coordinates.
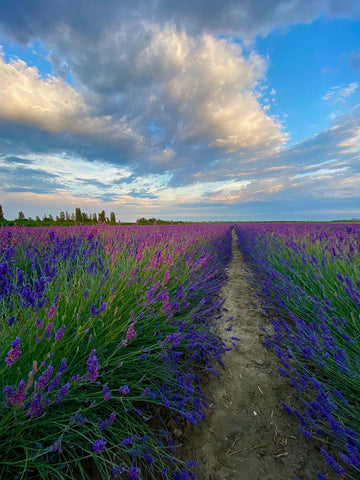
(247, 435)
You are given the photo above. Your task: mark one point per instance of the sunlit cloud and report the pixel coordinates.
(167, 108)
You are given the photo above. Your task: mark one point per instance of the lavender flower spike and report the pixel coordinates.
(14, 352)
(99, 445)
(93, 366)
(60, 333)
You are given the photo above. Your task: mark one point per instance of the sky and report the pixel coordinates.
(184, 110)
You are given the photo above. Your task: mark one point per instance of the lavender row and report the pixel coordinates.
(106, 332)
(309, 276)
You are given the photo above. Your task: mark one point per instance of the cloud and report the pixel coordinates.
(52, 105)
(181, 93)
(340, 94)
(16, 160)
(25, 20)
(163, 107)
(178, 88)
(28, 180)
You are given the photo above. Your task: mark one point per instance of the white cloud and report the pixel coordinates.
(210, 89)
(339, 94)
(52, 105)
(160, 88)
(351, 144)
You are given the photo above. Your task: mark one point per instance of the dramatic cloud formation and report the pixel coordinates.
(51, 104)
(163, 107)
(181, 90)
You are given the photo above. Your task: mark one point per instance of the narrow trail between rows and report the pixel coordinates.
(246, 434)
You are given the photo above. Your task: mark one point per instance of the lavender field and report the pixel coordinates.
(309, 276)
(105, 335)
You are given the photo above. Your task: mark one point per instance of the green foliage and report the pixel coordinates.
(2, 218)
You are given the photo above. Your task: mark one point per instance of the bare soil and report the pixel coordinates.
(247, 435)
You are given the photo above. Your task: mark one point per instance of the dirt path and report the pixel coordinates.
(247, 435)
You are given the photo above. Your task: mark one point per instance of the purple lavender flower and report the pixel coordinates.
(8, 392)
(15, 397)
(14, 352)
(345, 458)
(116, 471)
(129, 440)
(331, 462)
(20, 393)
(320, 476)
(99, 445)
(130, 334)
(96, 311)
(78, 419)
(44, 379)
(146, 392)
(55, 382)
(103, 425)
(48, 330)
(51, 312)
(149, 459)
(36, 405)
(107, 393)
(60, 333)
(38, 323)
(133, 473)
(304, 432)
(56, 299)
(63, 391)
(124, 390)
(93, 366)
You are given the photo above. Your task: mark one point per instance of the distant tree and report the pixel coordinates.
(51, 217)
(112, 218)
(67, 216)
(73, 217)
(102, 216)
(95, 217)
(84, 217)
(1, 214)
(78, 215)
(62, 217)
(21, 215)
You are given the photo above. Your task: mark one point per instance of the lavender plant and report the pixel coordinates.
(310, 276)
(105, 333)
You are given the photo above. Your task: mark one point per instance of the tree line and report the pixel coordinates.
(64, 218)
(80, 218)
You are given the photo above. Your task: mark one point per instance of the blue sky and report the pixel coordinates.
(216, 110)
